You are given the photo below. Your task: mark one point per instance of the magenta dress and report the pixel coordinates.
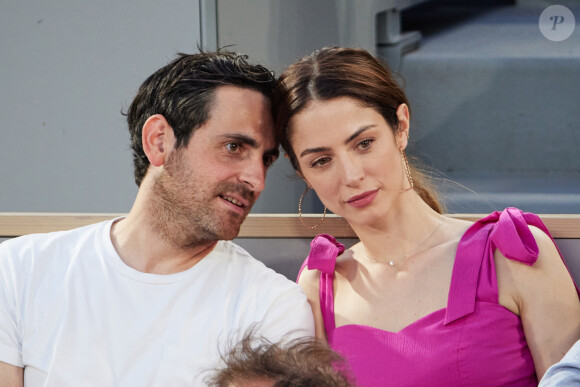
(474, 341)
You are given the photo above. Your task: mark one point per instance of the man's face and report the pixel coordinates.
(207, 189)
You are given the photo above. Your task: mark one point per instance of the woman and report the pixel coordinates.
(422, 299)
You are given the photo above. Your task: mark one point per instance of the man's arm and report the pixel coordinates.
(289, 317)
(11, 376)
(10, 350)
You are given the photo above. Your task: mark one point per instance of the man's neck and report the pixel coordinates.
(143, 249)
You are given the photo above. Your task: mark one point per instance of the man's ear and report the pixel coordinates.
(158, 139)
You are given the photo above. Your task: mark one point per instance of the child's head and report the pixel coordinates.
(300, 362)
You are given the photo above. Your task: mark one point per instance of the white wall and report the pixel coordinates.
(67, 69)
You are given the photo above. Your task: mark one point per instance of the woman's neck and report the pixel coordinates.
(409, 226)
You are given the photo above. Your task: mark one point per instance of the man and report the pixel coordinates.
(147, 300)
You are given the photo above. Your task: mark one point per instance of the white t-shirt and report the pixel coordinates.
(73, 314)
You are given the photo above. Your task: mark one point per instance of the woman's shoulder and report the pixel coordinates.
(346, 262)
(455, 227)
(324, 253)
(309, 281)
(511, 225)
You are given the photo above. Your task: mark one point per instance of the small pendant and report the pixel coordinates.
(391, 263)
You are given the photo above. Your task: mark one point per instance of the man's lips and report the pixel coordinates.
(363, 199)
(236, 200)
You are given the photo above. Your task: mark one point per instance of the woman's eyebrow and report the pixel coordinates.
(358, 132)
(349, 139)
(314, 150)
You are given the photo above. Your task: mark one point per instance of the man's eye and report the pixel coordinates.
(233, 147)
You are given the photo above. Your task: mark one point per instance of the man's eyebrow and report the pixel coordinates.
(244, 139)
(349, 139)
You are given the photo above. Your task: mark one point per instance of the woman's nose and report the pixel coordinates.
(352, 171)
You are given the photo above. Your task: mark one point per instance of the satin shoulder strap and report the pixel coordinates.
(507, 231)
(324, 249)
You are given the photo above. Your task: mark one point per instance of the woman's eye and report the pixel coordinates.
(364, 144)
(320, 162)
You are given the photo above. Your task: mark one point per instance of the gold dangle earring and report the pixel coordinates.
(407, 168)
(405, 163)
(300, 212)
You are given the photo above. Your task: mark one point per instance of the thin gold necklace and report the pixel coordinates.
(405, 255)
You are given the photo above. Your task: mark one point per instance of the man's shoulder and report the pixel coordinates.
(238, 261)
(34, 245)
(236, 256)
(268, 296)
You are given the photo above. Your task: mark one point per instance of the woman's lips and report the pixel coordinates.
(363, 200)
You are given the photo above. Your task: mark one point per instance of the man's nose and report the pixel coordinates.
(254, 174)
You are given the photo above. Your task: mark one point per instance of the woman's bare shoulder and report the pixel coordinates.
(346, 263)
(457, 226)
(308, 280)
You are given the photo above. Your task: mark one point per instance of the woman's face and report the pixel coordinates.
(351, 157)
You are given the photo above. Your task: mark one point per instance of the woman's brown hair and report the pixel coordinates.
(334, 72)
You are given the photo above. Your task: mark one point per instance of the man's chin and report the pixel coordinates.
(211, 235)
(227, 229)
(230, 233)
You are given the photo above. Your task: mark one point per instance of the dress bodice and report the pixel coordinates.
(473, 341)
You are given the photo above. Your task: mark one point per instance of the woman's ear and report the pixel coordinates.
(158, 139)
(402, 134)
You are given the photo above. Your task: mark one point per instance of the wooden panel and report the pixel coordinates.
(16, 224)
(255, 226)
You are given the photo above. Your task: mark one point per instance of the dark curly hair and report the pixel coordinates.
(183, 92)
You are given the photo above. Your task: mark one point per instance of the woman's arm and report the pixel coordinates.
(309, 281)
(566, 372)
(545, 298)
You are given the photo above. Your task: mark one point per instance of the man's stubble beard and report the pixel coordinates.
(182, 211)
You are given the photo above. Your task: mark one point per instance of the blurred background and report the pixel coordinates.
(494, 88)
(495, 102)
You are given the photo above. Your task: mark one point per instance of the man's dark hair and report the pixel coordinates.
(302, 362)
(183, 92)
